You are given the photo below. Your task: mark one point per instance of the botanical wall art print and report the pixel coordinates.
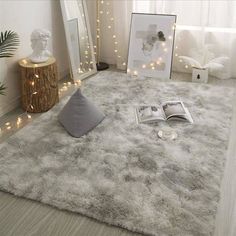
(151, 45)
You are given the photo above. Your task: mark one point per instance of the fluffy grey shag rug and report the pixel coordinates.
(121, 173)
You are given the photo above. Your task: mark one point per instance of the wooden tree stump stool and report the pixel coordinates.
(39, 85)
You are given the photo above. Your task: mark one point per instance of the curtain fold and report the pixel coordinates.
(204, 27)
(122, 19)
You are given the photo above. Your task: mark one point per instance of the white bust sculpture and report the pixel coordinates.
(39, 41)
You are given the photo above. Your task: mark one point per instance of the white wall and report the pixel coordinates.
(23, 16)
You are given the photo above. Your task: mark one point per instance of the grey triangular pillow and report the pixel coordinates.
(79, 115)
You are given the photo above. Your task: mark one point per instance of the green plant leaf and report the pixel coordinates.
(2, 88)
(9, 42)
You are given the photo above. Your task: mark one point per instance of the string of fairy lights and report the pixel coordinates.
(105, 9)
(86, 63)
(6, 126)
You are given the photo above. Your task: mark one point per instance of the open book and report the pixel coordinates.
(171, 110)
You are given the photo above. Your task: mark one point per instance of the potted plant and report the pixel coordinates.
(9, 42)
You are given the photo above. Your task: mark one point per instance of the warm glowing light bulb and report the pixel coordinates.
(180, 60)
(35, 93)
(176, 54)
(152, 64)
(124, 64)
(101, 12)
(113, 36)
(7, 123)
(29, 116)
(170, 37)
(69, 83)
(8, 127)
(37, 76)
(143, 66)
(160, 58)
(111, 18)
(98, 36)
(158, 62)
(128, 70)
(109, 27)
(102, 2)
(163, 44)
(186, 66)
(95, 46)
(135, 72)
(115, 42)
(115, 50)
(153, 68)
(98, 20)
(78, 83)
(165, 49)
(108, 12)
(176, 47)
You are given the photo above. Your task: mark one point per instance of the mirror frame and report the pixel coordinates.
(74, 74)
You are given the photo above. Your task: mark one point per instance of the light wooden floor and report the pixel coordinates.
(23, 217)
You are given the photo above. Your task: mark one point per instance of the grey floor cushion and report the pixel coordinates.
(80, 115)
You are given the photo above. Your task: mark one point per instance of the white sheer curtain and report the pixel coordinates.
(205, 29)
(115, 33)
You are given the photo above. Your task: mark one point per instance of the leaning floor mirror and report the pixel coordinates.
(78, 37)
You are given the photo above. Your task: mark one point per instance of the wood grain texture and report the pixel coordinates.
(23, 217)
(39, 85)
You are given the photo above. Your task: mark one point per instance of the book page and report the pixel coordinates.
(149, 113)
(174, 108)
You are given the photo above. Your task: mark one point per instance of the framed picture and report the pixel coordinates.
(151, 45)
